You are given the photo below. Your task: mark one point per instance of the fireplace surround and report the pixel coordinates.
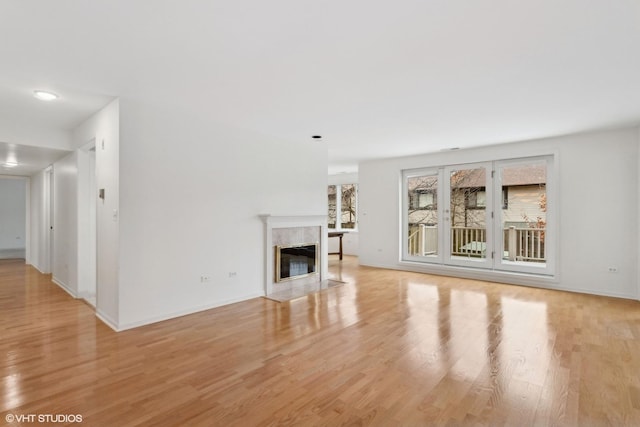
(294, 231)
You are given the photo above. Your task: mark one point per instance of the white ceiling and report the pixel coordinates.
(375, 78)
(30, 159)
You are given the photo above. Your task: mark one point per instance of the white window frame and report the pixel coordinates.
(551, 227)
(486, 261)
(339, 207)
(412, 173)
(495, 238)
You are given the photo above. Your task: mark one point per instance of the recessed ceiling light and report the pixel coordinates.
(44, 95)
(10, 164)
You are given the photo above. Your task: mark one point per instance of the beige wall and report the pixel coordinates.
(524, 202)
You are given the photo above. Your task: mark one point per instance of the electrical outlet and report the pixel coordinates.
(613, 269)
(204, 278)
(232, 274)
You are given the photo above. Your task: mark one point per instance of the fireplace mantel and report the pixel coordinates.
(283, 221)
(272, 222)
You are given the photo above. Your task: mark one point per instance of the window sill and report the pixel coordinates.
(500, 276)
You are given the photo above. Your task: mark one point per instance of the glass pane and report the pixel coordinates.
(348, 206)
(422, 215)
(524, 212)
(468, 213)
(332, 206)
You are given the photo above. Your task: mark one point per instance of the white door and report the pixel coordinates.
(423, 211)
(468, 213)
(525, 225)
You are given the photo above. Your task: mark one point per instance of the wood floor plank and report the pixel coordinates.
(387, 348)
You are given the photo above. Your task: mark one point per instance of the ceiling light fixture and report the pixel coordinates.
(44, 95)
(10, 164)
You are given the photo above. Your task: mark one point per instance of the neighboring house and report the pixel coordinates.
(523, 196)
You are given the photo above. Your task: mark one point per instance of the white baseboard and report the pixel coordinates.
(13, 253)
(107, 320)
(85, 295)
(498, 277)
(38, 268)
(185, 312)
(64, 287)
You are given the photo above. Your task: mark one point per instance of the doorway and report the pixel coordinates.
(87, 223)
(13, 214)
(495, 215)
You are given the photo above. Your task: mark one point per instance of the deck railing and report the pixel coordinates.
(423, 240)
(468, 241)
(524, 244)
(520, 244)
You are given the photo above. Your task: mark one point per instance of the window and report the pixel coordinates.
(333, 207)
(496, 215)
(422, 213)
(343, 204)
(505, 197)
(423, 199)
(476, 198)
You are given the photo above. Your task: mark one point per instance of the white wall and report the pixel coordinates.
(39, 254)
(350, 240)
(600, 169)
(349, 244)
(65, 220)
(183, 195)
(104, 128)
(13, 213)
(191, 191)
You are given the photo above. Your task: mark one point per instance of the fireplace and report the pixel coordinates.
(293, 233)
(296, 261)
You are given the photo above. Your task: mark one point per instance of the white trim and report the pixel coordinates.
(82, 294)
(637, 266)
(64, 287)
(176, 314)
(27, 223)
(503, 277)
(291, 221)
(36, 267)
(446, 221)
(404, 209)
(551, 229)
(107, 320)
(448, 263)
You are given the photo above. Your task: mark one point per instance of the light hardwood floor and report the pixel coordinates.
(388, 348)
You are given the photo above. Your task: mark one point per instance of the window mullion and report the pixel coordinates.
(339, 207)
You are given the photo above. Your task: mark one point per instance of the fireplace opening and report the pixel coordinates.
(296, 261)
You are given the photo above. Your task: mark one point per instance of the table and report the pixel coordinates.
(338, 234)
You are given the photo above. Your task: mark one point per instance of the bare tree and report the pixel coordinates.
(423, 198)
(332, 221)
(468, 206)
(348, 205)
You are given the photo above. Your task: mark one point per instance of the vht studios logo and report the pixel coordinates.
(43, 418)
